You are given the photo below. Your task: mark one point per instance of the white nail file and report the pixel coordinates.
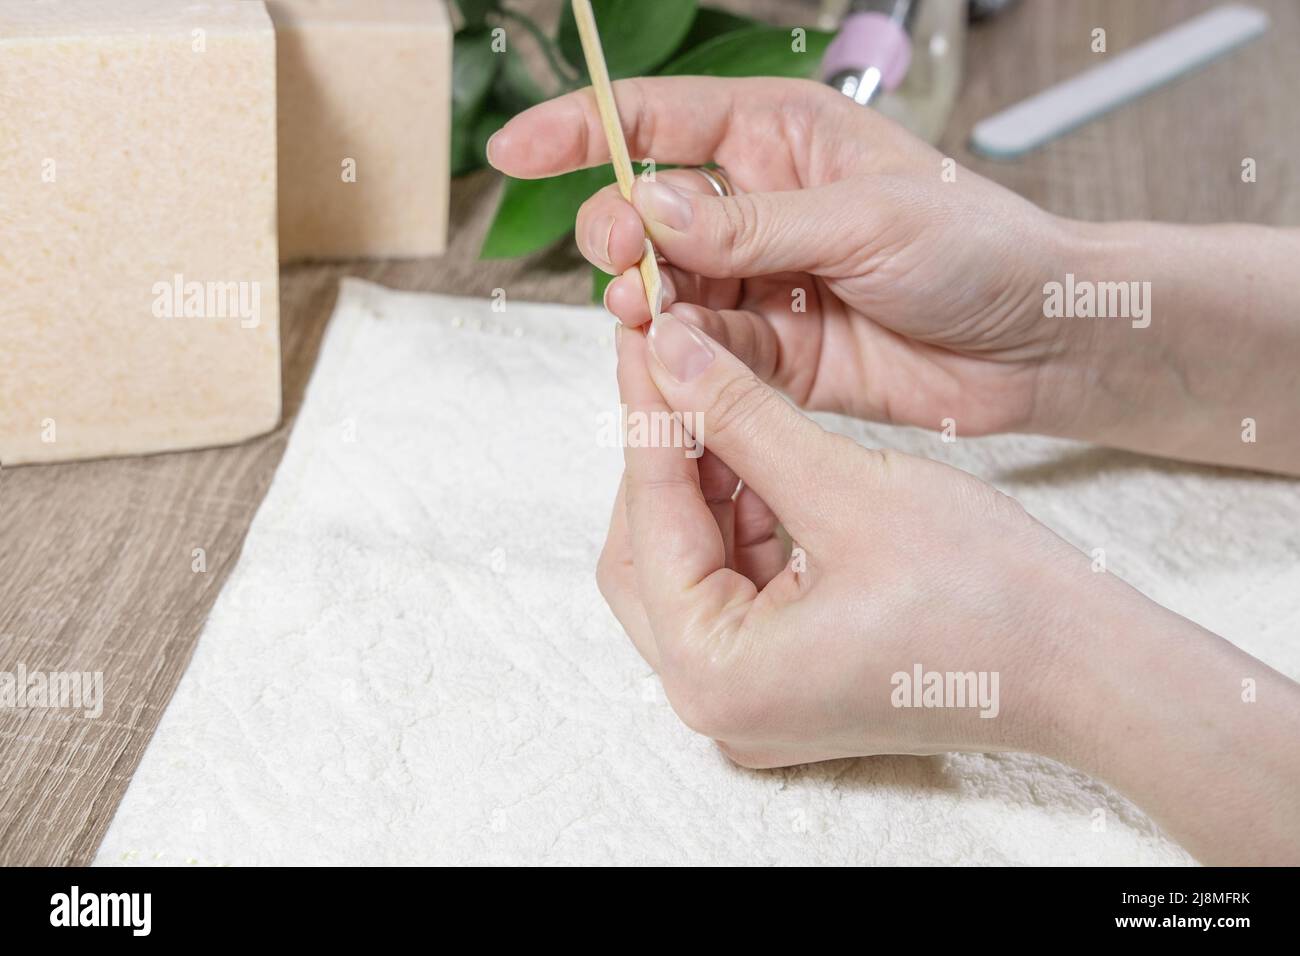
(1120, 79)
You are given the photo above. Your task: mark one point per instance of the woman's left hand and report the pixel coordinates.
(900, 563)
(907, 572)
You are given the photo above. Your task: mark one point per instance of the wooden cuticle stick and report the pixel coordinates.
(600, 85)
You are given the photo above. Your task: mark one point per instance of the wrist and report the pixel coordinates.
(1064, 347)
(1093, 300)
(1140, 358)
(1196, 732)
(1113, 673)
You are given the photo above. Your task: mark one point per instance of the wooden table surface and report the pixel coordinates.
(95, 557)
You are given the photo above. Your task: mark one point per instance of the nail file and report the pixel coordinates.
(1122, 78)
(595, 56)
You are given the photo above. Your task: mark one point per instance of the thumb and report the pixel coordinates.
(803, 472)
(752, 233)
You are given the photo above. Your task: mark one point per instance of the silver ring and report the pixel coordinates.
(717, 178)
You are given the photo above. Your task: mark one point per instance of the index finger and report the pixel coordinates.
(674, 119)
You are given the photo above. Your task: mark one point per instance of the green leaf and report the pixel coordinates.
(473, 67)
(534, 213)
(462, 150)
(599, 280)
(710, 23)
(754, 51)
(488, 122)
(474, 12)
(636, 36)
(515, 89)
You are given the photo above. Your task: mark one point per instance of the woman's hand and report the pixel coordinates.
(901, 566)
(899, 562)
(855, 270)
(860, 271)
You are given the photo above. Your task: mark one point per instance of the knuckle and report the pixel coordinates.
(651, 486)
(883, 465)
(886, 461)
(582, 121)
(641, 132)
(740, 226)
(738, 403)
(809, 94)
(1009, 510)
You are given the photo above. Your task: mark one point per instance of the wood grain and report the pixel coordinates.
(96, 557)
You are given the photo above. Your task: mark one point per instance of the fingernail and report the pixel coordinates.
(680, 349)
(598, 234)
(663, 204)
(604, 296)
(487, 149)
(618, 336)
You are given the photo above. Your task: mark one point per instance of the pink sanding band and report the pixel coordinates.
(869, 39)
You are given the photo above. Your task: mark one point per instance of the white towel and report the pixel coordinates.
(411, 662)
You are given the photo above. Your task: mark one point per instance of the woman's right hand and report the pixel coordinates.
(857, 269)
(922, 284)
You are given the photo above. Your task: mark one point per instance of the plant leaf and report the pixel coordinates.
(462, 150)
(534, 213)
(636, 37)
(753, 51)
(515, 89)
(488, 122)
(474, 12)
(473, 67)
(710, 23)
(469, 142)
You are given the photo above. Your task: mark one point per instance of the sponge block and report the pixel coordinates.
(139, 305)
(365, 127)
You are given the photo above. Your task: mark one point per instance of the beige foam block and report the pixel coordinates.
(138, 264)
(365, 127)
